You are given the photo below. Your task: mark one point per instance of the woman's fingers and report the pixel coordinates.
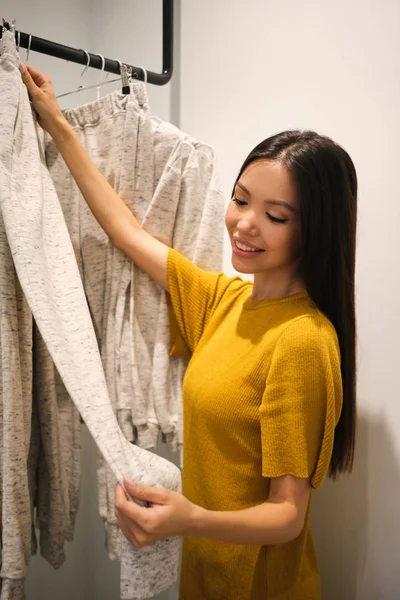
(43, 97)
(150, 494)
(39, 78)
(29, 82)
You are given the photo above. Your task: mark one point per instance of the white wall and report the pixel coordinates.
(251, 69)
(131, 31)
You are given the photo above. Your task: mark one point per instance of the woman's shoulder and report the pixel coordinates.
(179, 263)
(310, 330)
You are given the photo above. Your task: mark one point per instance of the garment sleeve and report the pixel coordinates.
(193, 297)
(201, 239)
(302, 402)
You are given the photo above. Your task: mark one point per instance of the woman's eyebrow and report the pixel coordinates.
(280, 203)
(273, 202)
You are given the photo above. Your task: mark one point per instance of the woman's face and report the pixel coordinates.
(263, 221)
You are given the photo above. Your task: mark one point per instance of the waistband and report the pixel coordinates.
(91, 113)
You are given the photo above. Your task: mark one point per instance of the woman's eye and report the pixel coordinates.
(239, 202)
(275, 219)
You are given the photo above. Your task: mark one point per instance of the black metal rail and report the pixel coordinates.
(111, 66)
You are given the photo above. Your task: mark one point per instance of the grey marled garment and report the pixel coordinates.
(103, 267)
(13, 589)
(46, 266)
(54, 455)
(182, 204)
(15, 425)
(58, 470)
(169, 181)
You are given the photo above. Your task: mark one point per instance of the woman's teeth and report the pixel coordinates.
(246, 248)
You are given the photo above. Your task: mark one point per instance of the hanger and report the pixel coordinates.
(103, 64)
(81, 87)
(7, 27)
(29, 48)
(126, 75)
(144, 74)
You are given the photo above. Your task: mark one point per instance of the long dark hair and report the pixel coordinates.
(327, 186)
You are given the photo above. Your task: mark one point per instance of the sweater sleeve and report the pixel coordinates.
(194, 295)
(302, 401)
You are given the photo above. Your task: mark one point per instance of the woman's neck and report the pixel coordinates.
(273, 286)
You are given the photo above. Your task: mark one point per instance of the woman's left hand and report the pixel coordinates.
(169, 514)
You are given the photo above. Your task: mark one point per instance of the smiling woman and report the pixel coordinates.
(263, 222)
(269, 394)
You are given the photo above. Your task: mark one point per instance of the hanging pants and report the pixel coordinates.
(46, 266)
(15, 425)
(57, 446)
(169, 182)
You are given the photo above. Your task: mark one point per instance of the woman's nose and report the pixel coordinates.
(247, 225)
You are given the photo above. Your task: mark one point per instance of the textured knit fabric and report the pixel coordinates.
(49, 276)
(15, 425)
(169, 182)
(262, 396)
(108, 130)
(58, 467)
(15, 414)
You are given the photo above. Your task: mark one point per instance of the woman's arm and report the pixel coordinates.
(277, 521)
(108, 208)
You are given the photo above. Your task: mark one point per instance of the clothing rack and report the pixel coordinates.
(75, 55)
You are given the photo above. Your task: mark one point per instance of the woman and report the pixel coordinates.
(269, 394)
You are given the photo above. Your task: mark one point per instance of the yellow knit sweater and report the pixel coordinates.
(262, 395)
